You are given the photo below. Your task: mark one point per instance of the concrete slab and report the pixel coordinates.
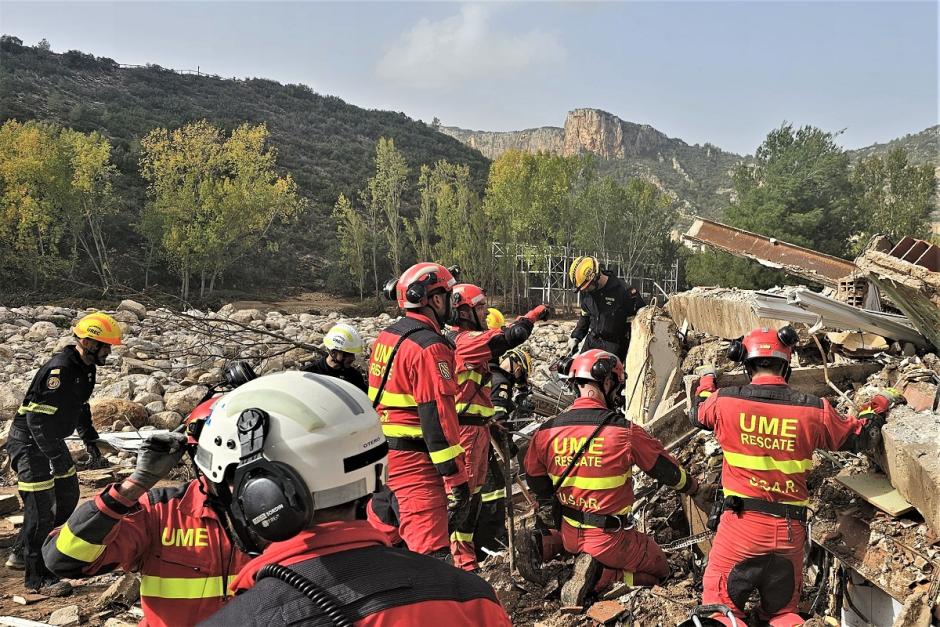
(876, 488)
(653, 357)
(722, 312)
(911, 440)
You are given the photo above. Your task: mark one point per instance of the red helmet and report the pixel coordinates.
(596, 365)
(421, 280)
(766, 343)
(197, 418)
(468, 294)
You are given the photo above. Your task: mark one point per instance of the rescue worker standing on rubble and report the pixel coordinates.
(308, 452)
(607, 308)
(579, 466)
(768, 433)
(55, 405)
(509, 383)
(176, 537)
(413, 388)
(476, 347)
(344, 344)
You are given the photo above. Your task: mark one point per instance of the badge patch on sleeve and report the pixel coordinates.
(53, 383)
(444, 369)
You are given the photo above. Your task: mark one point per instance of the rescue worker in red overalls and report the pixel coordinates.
(768, 433)
(413, 387)
(593, 492)
(175, 537)
(476, 347)
(308, 452)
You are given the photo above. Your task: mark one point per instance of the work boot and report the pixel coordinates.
(15, 561)
(580, 587)
(528, 545)
(53, 588)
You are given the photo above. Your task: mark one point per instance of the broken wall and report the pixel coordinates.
(653, 358)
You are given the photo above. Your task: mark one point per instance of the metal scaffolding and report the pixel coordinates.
(541, 274)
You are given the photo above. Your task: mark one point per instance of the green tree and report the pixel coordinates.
(421, 230)
(214, 198)
(460, 222)
(894, 196)
(384, 192)
(353, 240)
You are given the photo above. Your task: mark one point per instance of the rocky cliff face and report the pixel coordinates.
(585, 130)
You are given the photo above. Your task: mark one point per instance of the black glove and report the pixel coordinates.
(94, 453)
(158, 455)
(458, 506)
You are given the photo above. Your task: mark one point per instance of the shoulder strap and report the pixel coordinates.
(577, 456)
(388, 364)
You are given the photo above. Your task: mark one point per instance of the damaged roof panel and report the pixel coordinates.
(792, 259)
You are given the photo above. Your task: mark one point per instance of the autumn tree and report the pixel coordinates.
(353, 236)
(213, 198)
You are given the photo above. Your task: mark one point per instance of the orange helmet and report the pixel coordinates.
(596, 365)
(420, 281)
(98, 326)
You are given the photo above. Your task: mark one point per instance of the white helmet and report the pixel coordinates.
(287, 444)
(343, 337)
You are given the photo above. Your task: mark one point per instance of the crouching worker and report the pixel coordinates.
(768, 432)
(579, 466)
(303, 453)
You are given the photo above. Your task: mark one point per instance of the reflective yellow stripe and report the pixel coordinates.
(579, 525)
(469, 375)
(37, 486)
(475, 410)
(458, 536)
(181, 587)
(866, 412)
(628, 577)
(493, 496)
(443, 455)
(38, 408)
(401, 431)
(68, 473)
(593, 483)
(763, 462)
(728, 492)
(682, 479)
(69, 544)
(704, 394)
(393, 399)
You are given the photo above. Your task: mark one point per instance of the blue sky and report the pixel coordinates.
(719, 72)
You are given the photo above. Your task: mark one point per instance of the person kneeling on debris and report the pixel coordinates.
(579, 466)
(176, 537)
(303, 454)
(768, 433)
(55, 404)
(344, 344)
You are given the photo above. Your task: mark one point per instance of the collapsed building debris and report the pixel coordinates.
(652, 361)
(801, 262)
(720, 312)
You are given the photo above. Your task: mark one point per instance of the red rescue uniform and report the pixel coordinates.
(419, 420)
(171, 536)
(768, 433)
(376, 586)
(602, 484)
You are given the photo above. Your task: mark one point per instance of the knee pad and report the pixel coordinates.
(771, 575)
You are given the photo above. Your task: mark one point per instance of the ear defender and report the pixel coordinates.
(269, 498)
(389, 290)
(788, 336)
(564, 366)
(736, 351)
(601, 369)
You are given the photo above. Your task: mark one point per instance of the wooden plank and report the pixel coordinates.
(875, 488)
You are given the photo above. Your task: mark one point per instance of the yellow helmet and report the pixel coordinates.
(494, 318)
(521, 357)
(583, 270)
(98, 326)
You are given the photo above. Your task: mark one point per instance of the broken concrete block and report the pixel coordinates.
(66, 616)
(9, 503)
(124, 592)
(604, 612)
(722, 312)
(911, 462)
(96, 478)
(920, 395)
(653, 357)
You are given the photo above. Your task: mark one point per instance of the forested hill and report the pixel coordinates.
(327, 144)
